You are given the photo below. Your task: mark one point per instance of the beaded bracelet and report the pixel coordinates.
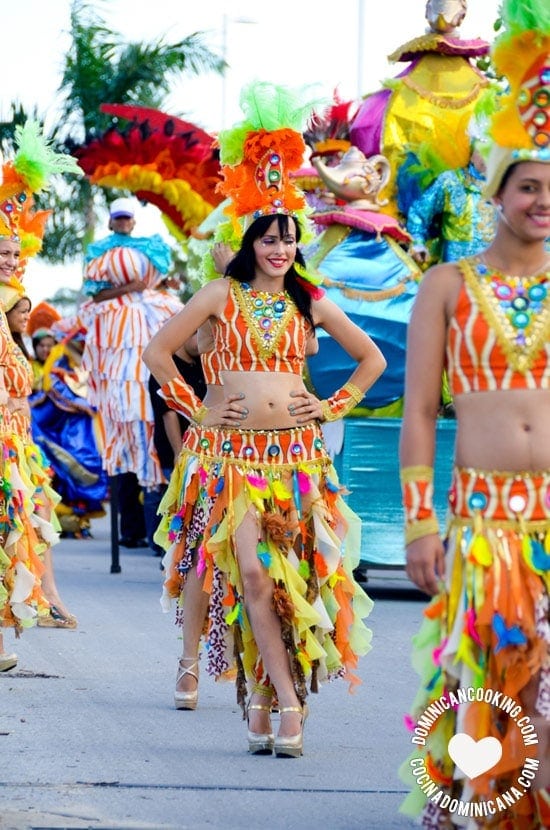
(342, 402)
(417, 490)
(200, 414)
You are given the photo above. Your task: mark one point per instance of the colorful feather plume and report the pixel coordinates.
(36, 161)
(29, 172)
(164, 160)
(258, 154)
(522, 54)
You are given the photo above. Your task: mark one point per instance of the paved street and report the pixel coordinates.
(89, 737)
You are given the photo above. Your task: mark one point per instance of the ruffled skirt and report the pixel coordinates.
(308, 541)
(483, 639)
(27, 525)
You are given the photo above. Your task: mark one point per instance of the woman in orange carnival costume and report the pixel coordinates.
(20, 566)
(483, 652)
(18, 379)
(254, 522)
(22, 532)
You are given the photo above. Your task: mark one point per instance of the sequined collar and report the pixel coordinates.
(267, 314)
(516, 308)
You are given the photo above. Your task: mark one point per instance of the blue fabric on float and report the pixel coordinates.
(368, 467)
(363, 263)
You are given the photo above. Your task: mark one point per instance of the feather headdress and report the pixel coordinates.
(258, 158)
(41, 320)
(259, 154)
(29, 172)
(521, 127)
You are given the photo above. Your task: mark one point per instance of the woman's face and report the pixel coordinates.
(275, 254)
(18, 316)
(10, 253)
(43, 348)
(525, 200)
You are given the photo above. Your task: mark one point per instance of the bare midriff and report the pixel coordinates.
(266, 396)
(505, 430)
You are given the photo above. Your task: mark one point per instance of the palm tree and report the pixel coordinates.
(7, 128)
(100, 67)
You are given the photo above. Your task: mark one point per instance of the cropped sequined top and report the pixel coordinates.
(18, 375)
(499, 335)
(18, 378)
(256, 332)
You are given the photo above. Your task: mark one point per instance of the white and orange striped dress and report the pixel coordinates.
(118, 332)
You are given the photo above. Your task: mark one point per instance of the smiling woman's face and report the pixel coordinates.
(10, 253)
(525, 200)
(18, 316)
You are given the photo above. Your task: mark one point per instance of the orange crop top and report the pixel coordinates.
(499, 335)
(257, 332)
(18, 375)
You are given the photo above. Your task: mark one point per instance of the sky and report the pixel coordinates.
(292, 42)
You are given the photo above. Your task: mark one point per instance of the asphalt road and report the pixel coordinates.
(89, 737)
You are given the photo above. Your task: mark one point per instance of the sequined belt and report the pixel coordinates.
(500, 496)
(258, 446)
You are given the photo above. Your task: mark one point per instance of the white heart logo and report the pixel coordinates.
(474, 757)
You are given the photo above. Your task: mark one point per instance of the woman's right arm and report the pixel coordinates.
(181, 328)
(208, 302)
(424, 371)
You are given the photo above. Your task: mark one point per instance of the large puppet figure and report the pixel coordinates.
(432, 100)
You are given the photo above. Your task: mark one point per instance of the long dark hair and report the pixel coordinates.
(243, 265)
(505, 176)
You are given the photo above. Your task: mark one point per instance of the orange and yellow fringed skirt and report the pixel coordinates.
(484, 638)
(308, 541)
(21, 567)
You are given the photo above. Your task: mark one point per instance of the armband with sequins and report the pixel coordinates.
(343, 401)
(180, 396)
(417, 489)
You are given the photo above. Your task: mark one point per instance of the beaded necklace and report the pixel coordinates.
(266, 313)
(517, 308)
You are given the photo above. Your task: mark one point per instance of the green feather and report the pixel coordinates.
(273, 107)
(35, 160)
(268, 106)
(304, 569)
(521, 15)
